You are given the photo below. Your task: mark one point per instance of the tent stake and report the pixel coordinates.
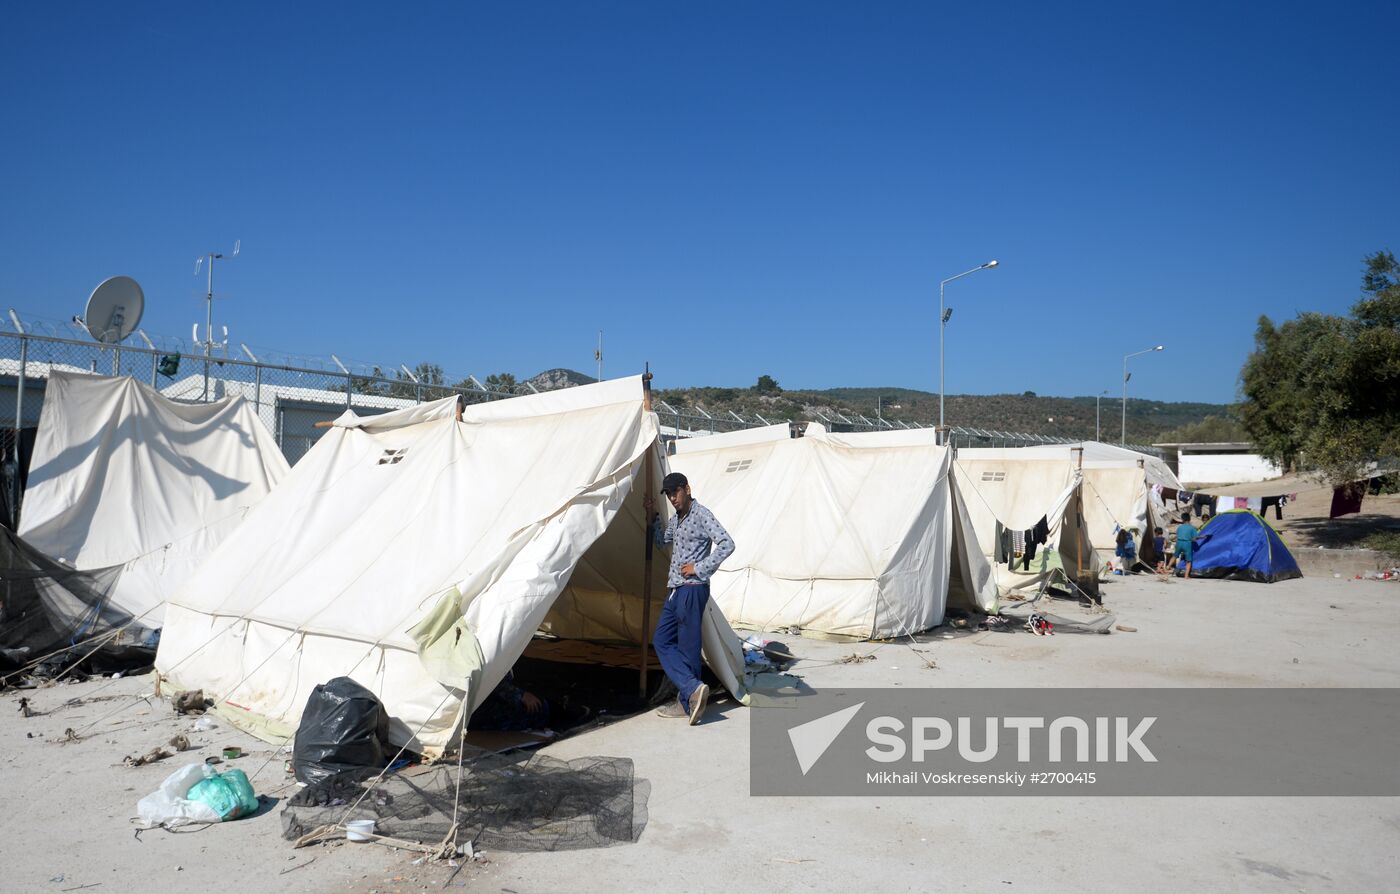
(649, 476)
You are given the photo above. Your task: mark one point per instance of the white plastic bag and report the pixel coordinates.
(168, 806)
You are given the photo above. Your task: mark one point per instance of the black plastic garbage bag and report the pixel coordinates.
(344, 727)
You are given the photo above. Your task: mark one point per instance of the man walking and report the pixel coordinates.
(699, 543)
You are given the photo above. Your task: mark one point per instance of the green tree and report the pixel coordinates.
(1212, 429)
(500, 382)
(767, 385)
(428, 375)
(1322, 392)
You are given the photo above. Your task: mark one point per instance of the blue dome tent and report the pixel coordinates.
(1239, 545)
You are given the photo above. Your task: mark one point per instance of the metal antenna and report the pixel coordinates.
(208, 342)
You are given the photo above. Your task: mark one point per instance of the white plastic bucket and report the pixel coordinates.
(360, 830)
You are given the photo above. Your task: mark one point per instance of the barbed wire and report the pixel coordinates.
(292, 392)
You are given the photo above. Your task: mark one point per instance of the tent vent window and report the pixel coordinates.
(390, 457)
(993, 476)
(739, 465)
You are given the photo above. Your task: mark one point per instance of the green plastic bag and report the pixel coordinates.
(230, 794)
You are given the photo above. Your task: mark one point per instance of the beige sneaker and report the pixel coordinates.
(697, 702)
(672, 709)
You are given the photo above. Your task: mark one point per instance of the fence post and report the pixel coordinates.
(257, 388)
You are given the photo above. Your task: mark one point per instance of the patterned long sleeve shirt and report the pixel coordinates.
(697, 538)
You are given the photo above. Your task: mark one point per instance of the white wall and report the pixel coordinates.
(1225, 468)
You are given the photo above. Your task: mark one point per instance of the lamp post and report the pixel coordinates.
(1098, 413)
(1123, 436)
(943, 314)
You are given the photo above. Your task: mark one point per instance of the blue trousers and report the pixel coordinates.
(677, 638)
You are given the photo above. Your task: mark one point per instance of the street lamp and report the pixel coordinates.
(1098, 413)
(1123, 436)
(943, 315)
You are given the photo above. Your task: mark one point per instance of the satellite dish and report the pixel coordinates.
(114, 309)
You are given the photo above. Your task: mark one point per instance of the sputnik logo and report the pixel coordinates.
(810, 740)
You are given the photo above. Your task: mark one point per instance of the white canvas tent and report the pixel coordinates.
(122, 476)
(1014, 492)
(419, 555)
(1118, 483)
(842, 535)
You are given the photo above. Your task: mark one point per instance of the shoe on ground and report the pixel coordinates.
(697, 703)
(673, 708)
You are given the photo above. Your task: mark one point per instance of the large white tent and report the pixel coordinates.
(842, 535)
(123, 476)
(419, 555)
(1119, 484)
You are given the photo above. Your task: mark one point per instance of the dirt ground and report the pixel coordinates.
(67, 824)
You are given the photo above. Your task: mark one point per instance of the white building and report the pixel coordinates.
(1220, 462)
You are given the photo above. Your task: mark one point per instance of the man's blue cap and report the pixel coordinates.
(672, 483)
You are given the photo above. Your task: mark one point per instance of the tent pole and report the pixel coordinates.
(650, 483)
(1079, 519)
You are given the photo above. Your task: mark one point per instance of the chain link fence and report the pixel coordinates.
(291, 397)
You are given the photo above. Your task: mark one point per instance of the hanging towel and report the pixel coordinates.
(1347, 499)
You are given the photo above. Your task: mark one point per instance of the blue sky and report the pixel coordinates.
(726, 189)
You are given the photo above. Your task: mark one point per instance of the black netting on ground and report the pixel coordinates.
(510, 802)
(47, 607)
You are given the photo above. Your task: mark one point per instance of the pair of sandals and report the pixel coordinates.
(1040, 625)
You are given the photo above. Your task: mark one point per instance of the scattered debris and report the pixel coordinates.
(180, 742)
(24, 707)
(856, 658)
(150, 757)
(298, 866)
(190, 701)
(1125, 628)
(70, 736)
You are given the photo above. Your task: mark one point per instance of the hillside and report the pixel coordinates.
(1068, 417)
(559, 377)
(1071, 417)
